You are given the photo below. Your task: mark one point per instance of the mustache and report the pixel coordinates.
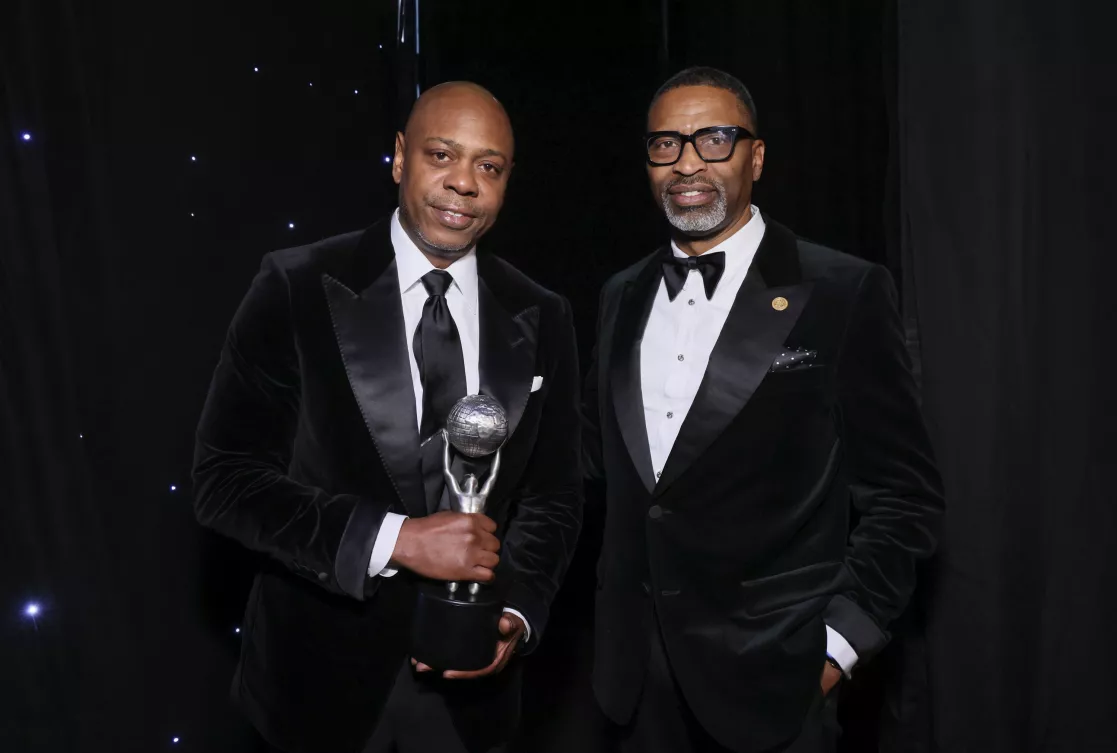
(454, 205)
(694, 180)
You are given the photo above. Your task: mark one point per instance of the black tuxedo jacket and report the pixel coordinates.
(743, 548)
(308, 438)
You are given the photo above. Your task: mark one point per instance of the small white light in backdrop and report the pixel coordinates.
(238, 631)
(26, 136)
(174, 488)
(193, 158)
(32, 611)
(191, 214)
(312, 83)
(387, 159)
(356, 92)
(174, 740)
(81, 436)
(291, 225)
(257, 70)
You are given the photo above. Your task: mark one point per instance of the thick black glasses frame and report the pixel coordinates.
(738, 133)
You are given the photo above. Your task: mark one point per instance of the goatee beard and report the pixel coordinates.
(696, 220)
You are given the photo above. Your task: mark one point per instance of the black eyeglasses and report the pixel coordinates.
(713, 144)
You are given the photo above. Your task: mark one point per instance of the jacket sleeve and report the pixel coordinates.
(244, 446)
(542, 535)
(895, 486)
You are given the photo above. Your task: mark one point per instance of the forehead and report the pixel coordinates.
(689, 108)
(466, 119)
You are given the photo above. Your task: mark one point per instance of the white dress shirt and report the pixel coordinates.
(678, 340)
(461, 299)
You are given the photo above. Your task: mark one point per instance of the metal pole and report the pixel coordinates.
(408, 83)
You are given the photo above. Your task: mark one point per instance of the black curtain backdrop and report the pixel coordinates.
(65, 671)
(1007, 114)
(964, 145)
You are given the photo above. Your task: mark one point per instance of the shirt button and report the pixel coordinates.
(655, 512)
(670, 414)
(690, 302)
(658, 474)
(680, 356)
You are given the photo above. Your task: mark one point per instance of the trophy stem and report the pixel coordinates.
(452, 586)
(474, 588)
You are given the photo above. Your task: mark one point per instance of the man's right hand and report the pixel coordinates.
(453, 546)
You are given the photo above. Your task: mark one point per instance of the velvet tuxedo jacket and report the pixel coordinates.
(794, 497)
(308, 438)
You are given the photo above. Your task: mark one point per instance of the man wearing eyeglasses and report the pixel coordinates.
(770, 484)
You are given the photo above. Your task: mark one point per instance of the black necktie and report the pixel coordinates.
(675, 271)
(438, 354)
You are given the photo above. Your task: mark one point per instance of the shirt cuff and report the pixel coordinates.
(518, 613)
(838, 649)
(385, 546)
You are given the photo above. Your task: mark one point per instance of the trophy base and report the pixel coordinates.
(455, 631)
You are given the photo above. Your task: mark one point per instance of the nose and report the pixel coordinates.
(689, 162)
(461, 179)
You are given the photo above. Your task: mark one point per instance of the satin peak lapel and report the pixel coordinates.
(624, 367)
(370, 335)
(767, 307)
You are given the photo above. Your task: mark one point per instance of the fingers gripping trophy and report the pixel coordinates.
(456, 627)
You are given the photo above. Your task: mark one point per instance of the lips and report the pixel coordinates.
(694, 194)
(455, 218)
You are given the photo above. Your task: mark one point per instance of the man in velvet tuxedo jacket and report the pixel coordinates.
(770, 486)
(342, 356)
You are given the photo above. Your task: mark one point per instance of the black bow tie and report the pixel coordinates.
(675, 271)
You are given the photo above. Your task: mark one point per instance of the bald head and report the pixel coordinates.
(458, 95)
(452, 165)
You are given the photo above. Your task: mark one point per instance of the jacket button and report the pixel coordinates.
(323, 577)
(656, 512)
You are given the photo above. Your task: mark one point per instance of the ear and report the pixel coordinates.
(397, 161)
(757, 160)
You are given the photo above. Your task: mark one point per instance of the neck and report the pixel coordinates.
(696, 245)
(437, 261)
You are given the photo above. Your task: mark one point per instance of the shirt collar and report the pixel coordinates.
(411, 265)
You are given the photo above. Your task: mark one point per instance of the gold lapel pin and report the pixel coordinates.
(779, 303)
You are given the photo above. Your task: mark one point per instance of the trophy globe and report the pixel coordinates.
(477, 426)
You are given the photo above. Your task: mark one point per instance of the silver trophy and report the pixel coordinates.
(477, 426)
(456, 628)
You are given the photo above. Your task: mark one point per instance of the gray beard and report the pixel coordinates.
(442, 251)
(696, 220)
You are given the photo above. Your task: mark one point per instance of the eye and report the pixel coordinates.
(490, 168)
(440, 156)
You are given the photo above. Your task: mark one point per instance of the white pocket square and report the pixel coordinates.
(536, 383)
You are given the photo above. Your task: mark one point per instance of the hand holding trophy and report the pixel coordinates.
(455, 627)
